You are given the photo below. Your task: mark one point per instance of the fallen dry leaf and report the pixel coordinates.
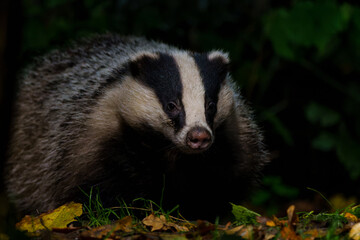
(242, 231)
(156, 223)
(355, 232)
(234, 230)
(288, 233)
(265, 221)
(160, 223)
(226, 227)
(58, 218)
(351, 217)
(123, 225)
(178, 228)
(279, 222)
(314, 233)
(270, 223)
(269, 236)
(204, 227)
(292, 217)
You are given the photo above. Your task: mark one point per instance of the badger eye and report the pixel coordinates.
(171, 107)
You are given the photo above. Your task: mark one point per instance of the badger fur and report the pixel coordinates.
(123, 114)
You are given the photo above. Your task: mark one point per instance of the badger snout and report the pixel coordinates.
(198, 138)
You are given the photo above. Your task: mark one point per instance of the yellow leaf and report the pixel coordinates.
(270, 223)
(355, 232)
(351, 217)
(57, 218)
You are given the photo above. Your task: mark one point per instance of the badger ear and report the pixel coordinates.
(141, 62)
(218, 55)
(220, 62)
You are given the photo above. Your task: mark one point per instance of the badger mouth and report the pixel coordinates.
(188, 150)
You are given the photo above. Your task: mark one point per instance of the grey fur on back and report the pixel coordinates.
(47, 118)
(50, 154)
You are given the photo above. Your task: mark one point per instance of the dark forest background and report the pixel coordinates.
(297, 62)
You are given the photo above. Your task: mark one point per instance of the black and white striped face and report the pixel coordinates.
(185, 96)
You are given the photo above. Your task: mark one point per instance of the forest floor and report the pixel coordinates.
(93, 221)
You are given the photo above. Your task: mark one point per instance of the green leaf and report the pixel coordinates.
(324, 142)
(346, 11)
(243, 215)
(278, 188)
(318, 114)
(275, 27)
(260, 197)
(307, 24)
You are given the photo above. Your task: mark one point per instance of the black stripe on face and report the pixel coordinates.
(213, 72)
(161, 73)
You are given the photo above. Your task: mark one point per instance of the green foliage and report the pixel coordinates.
(308, 33)
(273, 192)
(243, 215)
(323, 117)
(311, 30)
(354, 210)
(318, 114)
(97, 214)
(325, 141)
(341, 141)
(155, 208)
(334, 220)
(279, 188)
(306, 24)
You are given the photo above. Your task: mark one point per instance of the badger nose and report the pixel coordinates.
(198, 138)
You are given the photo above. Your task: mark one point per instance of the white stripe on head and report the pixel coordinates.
(193, 95)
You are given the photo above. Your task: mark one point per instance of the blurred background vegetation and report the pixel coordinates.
(297, 62)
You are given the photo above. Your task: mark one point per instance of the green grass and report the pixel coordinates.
(97, 215)
(334, 225)
(157, 209)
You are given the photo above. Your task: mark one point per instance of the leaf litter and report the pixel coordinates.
(343, 224)
(56, 219)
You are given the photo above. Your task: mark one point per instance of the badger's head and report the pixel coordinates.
(185, 96)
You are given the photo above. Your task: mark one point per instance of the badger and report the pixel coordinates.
(133, 118)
